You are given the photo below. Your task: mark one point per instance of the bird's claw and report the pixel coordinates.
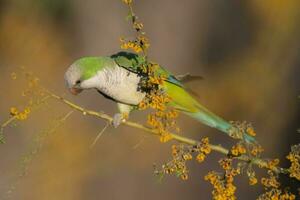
(118, 119)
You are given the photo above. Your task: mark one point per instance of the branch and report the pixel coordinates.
(217, 148)
(14, 118)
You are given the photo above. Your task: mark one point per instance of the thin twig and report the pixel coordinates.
(13, 118)
(99, 135)
(139, 143)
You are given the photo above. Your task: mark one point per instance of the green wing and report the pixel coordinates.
(132, 62)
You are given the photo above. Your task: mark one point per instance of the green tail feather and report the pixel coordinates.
(184, 102)
(210, 119)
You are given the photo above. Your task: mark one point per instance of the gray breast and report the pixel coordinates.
(121, 85)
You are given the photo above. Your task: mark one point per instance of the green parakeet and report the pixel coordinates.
(117, 78)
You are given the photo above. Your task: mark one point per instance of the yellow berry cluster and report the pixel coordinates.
(250, 173)
(33, 91)
(294, 157)
(256, 150)
(250, 131)
(177, 165)
(272, 164)
(226, 163)
(141, 43)
(33, 88)
(239, 129)
(163, 119)
(133, 45)
(272, 186)
(20, 115)
(183, 153)
(252, 180)
(203, 149)
(128, 2)
(223, 186)
(270, 182)
(238, 149)
(276, 194)
(223, 183)
(138, 26)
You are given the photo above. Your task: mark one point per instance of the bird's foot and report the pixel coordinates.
(119, 118)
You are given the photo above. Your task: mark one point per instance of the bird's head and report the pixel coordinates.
(73, 78)
(82, 73)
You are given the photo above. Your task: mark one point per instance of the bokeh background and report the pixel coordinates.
(247, 51)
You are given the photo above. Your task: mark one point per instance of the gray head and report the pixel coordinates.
(73, 78)
(82, 72)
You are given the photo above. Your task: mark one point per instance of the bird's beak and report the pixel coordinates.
(75, 90)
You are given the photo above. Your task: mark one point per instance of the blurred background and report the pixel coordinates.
(247, 51)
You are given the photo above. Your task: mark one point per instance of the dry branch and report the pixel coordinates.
(217, 148)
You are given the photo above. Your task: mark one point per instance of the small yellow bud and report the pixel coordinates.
(128, 2)
(13, 76)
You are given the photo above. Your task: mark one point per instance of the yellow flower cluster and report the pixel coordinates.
(250, 131)
(163, 117)
(272, 164)
(142, 39)
(187, 156)
(13, 75)
(294, 157)
(251, 175)
(138, 26)
(141, 44)
(240, 128)
(226, 163)
(131, 45)
(223, 184)
(237, 150)
(165, 138)
(128, 2)
(223, 188)
(200, 157)
(203, 149)
(256, 150)
(177, 165)
(272, 185)
(270, 182)
(20, 115)
(159, 80)
(158, 100)
(276, 194)
(33, 82)
(252, 180)
(181, 154)
(163, 121)
(150, 69)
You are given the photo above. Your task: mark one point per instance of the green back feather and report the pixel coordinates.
(132, 62)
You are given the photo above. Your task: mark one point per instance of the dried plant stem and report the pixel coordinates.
(99, 135)
(216, 148)
(7, 122)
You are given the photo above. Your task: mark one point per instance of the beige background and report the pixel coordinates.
(247, 52)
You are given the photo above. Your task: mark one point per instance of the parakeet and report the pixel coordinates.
(117, 78)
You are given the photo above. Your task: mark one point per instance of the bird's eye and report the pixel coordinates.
(78, 82)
